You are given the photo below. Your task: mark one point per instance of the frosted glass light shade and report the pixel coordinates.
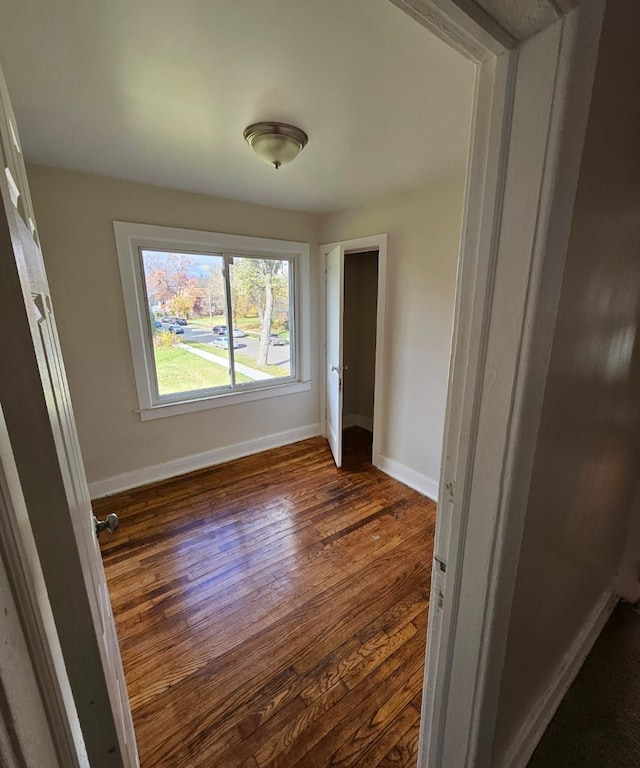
(275, 143)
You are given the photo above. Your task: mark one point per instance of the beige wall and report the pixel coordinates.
(360, 317)
(586, 466)
(424, 232)
(75, 214)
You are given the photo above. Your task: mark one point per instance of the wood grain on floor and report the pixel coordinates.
(272, 611)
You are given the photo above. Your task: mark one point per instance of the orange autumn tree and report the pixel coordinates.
(170, 284)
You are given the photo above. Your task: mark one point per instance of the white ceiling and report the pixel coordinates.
(160, 91)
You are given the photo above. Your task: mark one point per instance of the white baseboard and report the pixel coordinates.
(416, 480)
(181, 466)
(533, 728)
(357, 420)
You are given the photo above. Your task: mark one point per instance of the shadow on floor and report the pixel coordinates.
(356, 449)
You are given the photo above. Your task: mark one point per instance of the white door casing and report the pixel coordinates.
(59, 741)
(335, 359)
(516, 329)
(530, 115)
(41, 427)
(362, 245)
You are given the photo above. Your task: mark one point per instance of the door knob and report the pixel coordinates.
(110, 523)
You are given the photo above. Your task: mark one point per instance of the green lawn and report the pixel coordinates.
(249, 324)
(246, 323)
(180, 371)
(274, 370)
(206, 322)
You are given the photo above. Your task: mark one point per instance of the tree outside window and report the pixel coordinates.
(200, 343)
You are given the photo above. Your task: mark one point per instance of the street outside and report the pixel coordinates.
(187, 296)
(246, 345)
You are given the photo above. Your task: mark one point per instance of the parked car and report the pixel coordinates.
(238, 333)
(181, 321)
(222, 342)
(174, 328)
(158, 324)
(278, 341)
(220, 330)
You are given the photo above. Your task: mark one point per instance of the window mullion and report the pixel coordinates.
(292, 319)
(228, 261)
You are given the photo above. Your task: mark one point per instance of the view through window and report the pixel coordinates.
(218, 322)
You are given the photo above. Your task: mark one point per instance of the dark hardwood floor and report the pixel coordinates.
(272, 611)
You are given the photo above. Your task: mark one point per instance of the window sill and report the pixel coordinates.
(220, 401)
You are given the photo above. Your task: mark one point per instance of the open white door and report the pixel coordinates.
(42, 431)
(335, 361)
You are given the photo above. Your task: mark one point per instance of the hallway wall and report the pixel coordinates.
(588, 450)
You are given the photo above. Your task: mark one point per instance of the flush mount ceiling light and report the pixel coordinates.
(275, 143)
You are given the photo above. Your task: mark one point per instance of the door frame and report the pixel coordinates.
(53, 721)
(530, 112)
(77, 661)
(359, 245)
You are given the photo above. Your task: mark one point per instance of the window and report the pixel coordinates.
(213, 319)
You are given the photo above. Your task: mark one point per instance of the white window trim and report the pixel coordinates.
(130, 238)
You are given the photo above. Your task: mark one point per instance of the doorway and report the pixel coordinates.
(490, 234)
(354, 307)
(359, 333)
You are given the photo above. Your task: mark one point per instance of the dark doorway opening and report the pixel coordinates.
(359, 339)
